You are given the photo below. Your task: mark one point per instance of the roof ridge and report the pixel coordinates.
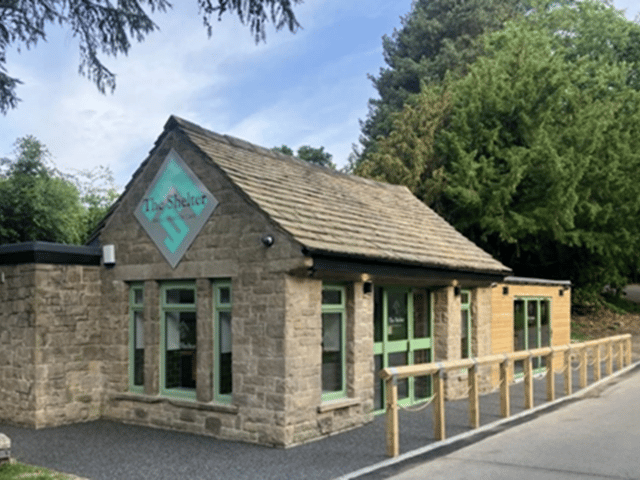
(252, 147)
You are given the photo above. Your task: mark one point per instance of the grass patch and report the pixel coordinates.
(20, 471)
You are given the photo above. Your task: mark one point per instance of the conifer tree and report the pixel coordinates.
(534, 153)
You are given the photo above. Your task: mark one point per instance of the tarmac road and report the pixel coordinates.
(595, 438)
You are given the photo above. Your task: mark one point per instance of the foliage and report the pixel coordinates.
(437, 37)
(535, 153)
(310, 154)
(11, 471)
(103, 27)
(37, 202)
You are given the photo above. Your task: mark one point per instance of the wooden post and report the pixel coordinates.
(620, 360)
(583, 367)
(505, 405)
(474, 401)
(629, 351)
(438, 405)
(528, 383)
(597, 374)
(568, 370)
(609, 358)
(551, 384)
(393, 437)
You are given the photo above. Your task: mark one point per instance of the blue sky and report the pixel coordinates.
(308, 88)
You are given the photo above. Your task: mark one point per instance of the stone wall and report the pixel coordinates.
(17, 344)
(50, 357)
(307, 416)
(447, 335)
(69, 354)
(228, 247)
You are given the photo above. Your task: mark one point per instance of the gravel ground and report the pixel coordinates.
(104, 450)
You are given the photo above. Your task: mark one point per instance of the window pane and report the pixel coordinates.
(331, 352)
(180, 349)
(331, 331)
(421, 313)
(397, 315)
(518, 325)
(422, 385)
(138, 350)
(545, 331)
(532, 324)
(225, 344)
(464, 334)
(398, 359)
(377, 314)
(224, 318)
(331, 296)
(224, 295)
(138, 296)
(138, 329)
(378, 383)
(180, 296)
(464, 298)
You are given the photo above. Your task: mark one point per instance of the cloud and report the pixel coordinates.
(307, 88)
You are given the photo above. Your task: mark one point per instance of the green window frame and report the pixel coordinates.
(178, 338)
(223, 343)
(531, 326)
(136, 337)
(466, 332)
(334, 330)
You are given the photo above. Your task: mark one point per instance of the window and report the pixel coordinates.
(531, 324)
(222, 350)
(178, 367)
(465, 324)
(136, 337)
(333, 342)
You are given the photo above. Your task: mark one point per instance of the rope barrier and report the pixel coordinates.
(418, 408)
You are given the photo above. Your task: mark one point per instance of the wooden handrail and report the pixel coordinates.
(437, 370)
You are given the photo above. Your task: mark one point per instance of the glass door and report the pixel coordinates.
(402, 336)
(531, 324)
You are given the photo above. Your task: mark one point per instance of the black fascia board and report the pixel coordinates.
(351, 264)
(48, 252)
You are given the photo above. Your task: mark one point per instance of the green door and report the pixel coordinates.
(531, 325)
(402, 336)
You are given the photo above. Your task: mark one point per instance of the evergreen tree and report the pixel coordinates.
(436, 37)
(534, 153)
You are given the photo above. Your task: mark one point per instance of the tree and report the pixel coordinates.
(437, 37)
(535, 153)
(105, 28)
(33, 204)
(38, 202)
(309, 154)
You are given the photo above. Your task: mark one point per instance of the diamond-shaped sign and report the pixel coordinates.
(175, 208)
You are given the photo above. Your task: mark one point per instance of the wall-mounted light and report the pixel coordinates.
(456, 291)
(109, 255)
(267, 240)
(505, 290)
(367, 287)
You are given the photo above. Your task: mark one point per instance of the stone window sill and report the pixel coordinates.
(193, 404)
(338, 404)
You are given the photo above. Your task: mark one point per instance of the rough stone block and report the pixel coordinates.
(5, 448)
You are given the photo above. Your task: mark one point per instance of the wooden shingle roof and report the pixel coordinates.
(335, 213)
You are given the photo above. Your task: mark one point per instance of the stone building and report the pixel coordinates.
(237, 292)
